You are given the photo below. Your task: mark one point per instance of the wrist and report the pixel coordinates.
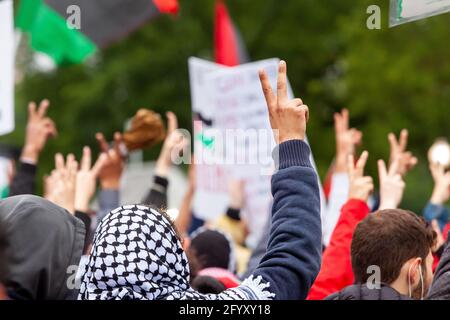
(81, 205)
(70, 208)
(438, 197)
(113, 184)
(384, 205)
(162, 169)
(289, 137)
(30, 154)
(340, 163)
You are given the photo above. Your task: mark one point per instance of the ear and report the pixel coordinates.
(415, 270)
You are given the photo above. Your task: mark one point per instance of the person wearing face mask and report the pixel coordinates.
(391, 257)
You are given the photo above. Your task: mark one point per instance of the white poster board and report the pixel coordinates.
(6, 67)
(402, 11)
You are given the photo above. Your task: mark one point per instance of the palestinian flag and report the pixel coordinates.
(70, 30)
(229, 47)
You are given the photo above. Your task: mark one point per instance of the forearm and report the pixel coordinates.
(294, 249)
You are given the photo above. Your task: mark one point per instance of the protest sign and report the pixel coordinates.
(6, 67)
(402, 11)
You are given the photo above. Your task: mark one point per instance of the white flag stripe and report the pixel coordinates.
(6, 67)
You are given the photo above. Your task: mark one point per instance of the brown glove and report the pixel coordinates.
(147, 129)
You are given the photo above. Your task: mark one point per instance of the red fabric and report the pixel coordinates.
(446, 230)
(444, 234)
(336, 271)
(228, 279)
(225, 39)
(167, 6)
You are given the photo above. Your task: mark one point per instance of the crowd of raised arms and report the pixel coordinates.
(356, 245)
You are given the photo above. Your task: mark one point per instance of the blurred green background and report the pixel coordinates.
(389, 79)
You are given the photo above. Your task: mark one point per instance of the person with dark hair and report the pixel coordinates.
(391, 257)
(137, 254)
(212, 249)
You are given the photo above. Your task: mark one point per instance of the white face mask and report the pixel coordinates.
(421, 282)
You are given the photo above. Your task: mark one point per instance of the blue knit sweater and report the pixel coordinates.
(293, 256)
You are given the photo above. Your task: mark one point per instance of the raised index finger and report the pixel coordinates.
(31, 109)
(172, 122)
(86, 159)
(361, 164)
(103, 144)
(267, 89)
(403, 143)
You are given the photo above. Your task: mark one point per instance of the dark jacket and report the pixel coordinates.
(294, 250)
(24, 181)
(43, 241)
(440, 288)
(362, 292)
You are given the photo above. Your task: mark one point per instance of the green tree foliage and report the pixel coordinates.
(388, 78)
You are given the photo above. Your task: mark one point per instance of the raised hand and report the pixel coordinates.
(111, 171)
(39, 129)
(60, 186)
(288, 118)
(360, 186)
(441, 190)
(174, 143)
(406, 160)
(346, 139)
(392, 185)
(86, 179)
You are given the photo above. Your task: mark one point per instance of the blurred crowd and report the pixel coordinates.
(353, 244)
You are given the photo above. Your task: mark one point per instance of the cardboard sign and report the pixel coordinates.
(402, 11)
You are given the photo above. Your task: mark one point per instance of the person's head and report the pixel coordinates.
(211, 249)
(397, 244)
(44, 241)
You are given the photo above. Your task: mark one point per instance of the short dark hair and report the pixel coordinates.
(387, 239)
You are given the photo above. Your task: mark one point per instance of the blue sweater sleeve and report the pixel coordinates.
(293, 256)
(108, 200)
(438, 212)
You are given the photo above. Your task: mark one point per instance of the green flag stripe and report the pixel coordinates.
(49, 33)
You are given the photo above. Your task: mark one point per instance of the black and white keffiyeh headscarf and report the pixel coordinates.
(137, 254)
